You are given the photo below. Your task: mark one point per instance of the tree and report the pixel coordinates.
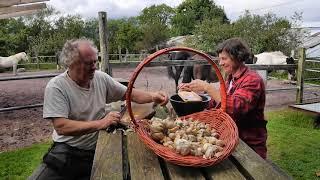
(71, 26)
(152, 36)
(262, 33)
(13, 36)
(268, 32)
(154, 22)
(156, 14)
(191, 13)
(209, 33)
(123, 33)
(91, 30)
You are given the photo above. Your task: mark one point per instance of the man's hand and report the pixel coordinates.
(112, 117)
(160, 98)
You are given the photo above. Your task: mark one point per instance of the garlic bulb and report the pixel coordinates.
(182, 146)
(206, 146)
(172, 136)
(168, 124)
(187, 137)
(156, 126)
(211, 140)
(199, 151)
(157, 136)
(172, 130)
(209, 152)
(220, 143)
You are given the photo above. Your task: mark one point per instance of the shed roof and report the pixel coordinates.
(312, 45)
(14, 8)
(312, 40)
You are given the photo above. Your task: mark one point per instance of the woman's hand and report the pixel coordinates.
(195, 85)
(184, 87)
(160, 98)
(200, 86)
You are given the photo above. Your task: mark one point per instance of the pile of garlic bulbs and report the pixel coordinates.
(187, 137)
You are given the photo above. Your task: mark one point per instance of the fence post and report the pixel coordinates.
(119, 51)
(126, 56)
(37, 59)
(105, 65)
(300, 75)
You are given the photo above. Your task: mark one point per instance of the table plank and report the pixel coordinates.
(143, 162)
(176, 172)
(313, 108)
(224, 170)
(107, 163)
(253, 166)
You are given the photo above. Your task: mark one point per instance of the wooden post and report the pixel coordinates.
(105, 65)
(37, 59)
(127, 54)
(300, 74)
(119, 51)
(57, 60)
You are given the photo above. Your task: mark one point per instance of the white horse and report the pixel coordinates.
(12, 61)
(275, 58)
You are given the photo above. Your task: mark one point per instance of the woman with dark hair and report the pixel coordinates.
(245, 94)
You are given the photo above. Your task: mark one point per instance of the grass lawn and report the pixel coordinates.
(19, 164)
(293, 145)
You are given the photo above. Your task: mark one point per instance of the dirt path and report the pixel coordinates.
(22, 128)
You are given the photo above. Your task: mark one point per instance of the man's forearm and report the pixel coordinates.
(141, 97)
(70, 127)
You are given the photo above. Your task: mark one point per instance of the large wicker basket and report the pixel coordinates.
(217, 118)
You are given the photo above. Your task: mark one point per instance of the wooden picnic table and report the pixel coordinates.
(123, 156)
(312, 108)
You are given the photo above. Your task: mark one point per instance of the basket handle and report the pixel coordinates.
(164, 51)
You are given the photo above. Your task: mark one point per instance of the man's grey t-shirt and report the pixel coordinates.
(64, 98)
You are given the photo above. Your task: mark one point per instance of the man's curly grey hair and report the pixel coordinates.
(70, 51)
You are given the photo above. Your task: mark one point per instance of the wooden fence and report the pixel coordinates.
(136, 59)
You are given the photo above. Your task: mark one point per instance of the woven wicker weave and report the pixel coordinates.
(216, 118)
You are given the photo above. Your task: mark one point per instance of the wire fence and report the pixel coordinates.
(312, 70)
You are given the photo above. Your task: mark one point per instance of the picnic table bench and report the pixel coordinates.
(123, 156)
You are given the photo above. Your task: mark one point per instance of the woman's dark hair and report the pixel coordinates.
(236, 48)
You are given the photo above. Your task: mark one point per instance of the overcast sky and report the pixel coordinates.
(233, 8)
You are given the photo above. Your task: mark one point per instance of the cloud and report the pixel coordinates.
(282, 8)
(114, 8)
(233, 9)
